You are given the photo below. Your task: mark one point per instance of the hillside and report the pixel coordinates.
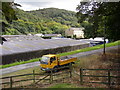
(58, 15)
(49, 20)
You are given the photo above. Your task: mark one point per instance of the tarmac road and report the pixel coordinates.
(33, 64)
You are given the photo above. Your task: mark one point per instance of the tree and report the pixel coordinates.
(46, 21)
(102, 15)
(8, 11)
(56, 28)
(8, 14)
(88, 31)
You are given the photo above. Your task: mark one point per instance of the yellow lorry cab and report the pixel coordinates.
(51, 61)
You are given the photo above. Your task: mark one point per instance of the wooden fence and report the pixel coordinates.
(109, 76)
(45, 76)
(56, 76)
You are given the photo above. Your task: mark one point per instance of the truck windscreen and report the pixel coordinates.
(45, 60)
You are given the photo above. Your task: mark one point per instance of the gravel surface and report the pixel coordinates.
(33, 64)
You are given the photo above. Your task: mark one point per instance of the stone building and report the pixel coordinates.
(77, 32)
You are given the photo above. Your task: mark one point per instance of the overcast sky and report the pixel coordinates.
(28, 5)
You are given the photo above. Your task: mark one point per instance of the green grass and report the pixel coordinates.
(90, 48)
(18, 63)
(64, 85)
(64, 54)
(70, 86)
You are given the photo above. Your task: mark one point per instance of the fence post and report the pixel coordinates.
(81, 76)
(70, 74)
(51, 76)
(33, 76)
(109, 78)
(11, 82)
(70, 66)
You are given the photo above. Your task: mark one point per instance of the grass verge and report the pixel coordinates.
(71, 86)
(65, 54)
(18, 63)
(91, 48)
(64, 85)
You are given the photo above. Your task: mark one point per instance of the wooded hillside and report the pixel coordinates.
(49, 20)
(58, 15)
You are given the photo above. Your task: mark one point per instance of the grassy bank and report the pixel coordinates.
(91, 48)
(18, 63)
(64, 54)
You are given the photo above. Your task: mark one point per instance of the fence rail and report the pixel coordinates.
(34, 79)
(54, 76)
(11, 79)
(109, 76)
(102, 69)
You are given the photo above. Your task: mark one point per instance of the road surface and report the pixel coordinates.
(33, 64)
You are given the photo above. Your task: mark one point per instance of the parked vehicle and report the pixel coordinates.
(53, 61)
(97, 41)
(94, 43)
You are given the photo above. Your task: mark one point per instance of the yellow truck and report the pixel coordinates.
(52, 61)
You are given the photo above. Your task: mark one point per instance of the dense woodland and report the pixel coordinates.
(58, 15)
(46, 21)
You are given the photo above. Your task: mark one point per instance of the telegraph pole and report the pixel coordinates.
(104, 36)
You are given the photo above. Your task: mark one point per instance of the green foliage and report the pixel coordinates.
(88, 31)
(90, 48)
(18, 63)
(56, 28)
(8, 11)
(102, 15)
(39, 22)
(58, 15)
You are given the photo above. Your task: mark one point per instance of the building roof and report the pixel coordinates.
(76, 29)
(52, 35)
(32, 43)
